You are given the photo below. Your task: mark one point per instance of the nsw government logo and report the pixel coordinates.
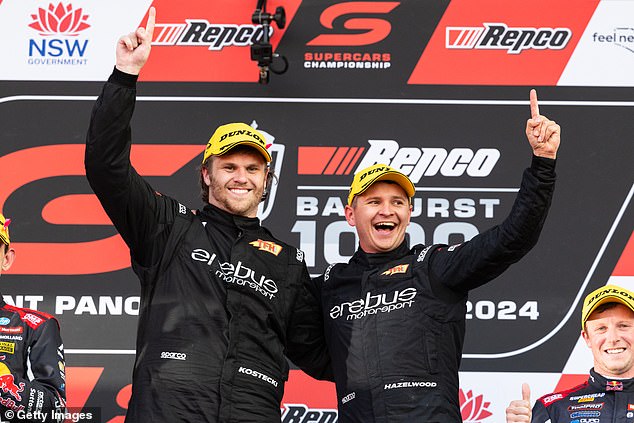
(59, 27)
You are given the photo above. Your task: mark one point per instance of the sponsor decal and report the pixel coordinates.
(614, 385)
(410, 384)
(373, 304)
(498, 36)
(11, 337)
(423, 253)
(173, 355)
(8, 386)
(577, 414)
(453, 247)
(209, 41)
(4, 321)
(630, 407)
(237, 274)
(296, 413)
(415, 162)
(593, 406)
(473, 408)
(32, 320)
(299, 256)
(268, 246)
(587, 397)
(59, 26)
(622, 37)
(551, 398)
(502, 43)
(401, 268)
(352, 25)
(258, 375)
(348, 397)
(7, 347)
(12, 330)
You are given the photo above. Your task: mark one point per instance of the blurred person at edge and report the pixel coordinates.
(222, 300)
(607, 326)
(394, 315)
(32, 367)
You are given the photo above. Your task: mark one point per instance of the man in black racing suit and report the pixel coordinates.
(394, 316)
(32, 367)
(607, 326)
(222, 300)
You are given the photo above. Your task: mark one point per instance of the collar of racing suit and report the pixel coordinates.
(371, 260)
(607, 384)
(218, 215)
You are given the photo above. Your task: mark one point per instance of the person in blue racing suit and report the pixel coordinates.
(607, 326)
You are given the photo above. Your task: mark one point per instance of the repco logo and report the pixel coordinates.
(417, 162)
(366, 30)
(498, 36)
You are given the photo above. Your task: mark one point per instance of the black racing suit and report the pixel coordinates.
(222, 300)
(599, 400)
(395, 322)
(30, 339)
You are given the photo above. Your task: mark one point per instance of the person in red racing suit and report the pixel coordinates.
(222, 300)
(395, 316)
(607, 326)
(32, 369)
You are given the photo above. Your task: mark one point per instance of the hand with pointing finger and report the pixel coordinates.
(133, 49)
(520, 410)
(543, 134)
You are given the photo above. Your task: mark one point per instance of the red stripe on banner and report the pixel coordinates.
(355, 160)
(313, 160)
(303, 389)
(81, 381)
(517, 43)
(336, 161)
(86, 210)
(625, 265)
(346, 160)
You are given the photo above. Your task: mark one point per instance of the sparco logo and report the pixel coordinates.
(238, 274)
(174, 355)
(417, 162)
(200, 32)
(301, 413)
(498, 36)
(373, 304)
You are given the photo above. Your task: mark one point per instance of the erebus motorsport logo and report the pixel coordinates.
(498, 36)
(59, 26)
(201, 32)
(415, 162)
(374, 304)
(238, 274)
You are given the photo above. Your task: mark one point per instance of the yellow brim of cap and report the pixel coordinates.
(622, 296)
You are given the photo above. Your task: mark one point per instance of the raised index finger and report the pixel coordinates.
(151, 20)
(534, 105)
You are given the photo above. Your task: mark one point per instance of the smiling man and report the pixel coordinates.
(607, 326)
(394, 315)
(222, 300)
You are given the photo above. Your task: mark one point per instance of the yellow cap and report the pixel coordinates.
(232, 135)
(4, 229)
(605, 294)
(379, 172)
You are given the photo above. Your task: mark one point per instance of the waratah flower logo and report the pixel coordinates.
(59, 20)
(473, 409)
